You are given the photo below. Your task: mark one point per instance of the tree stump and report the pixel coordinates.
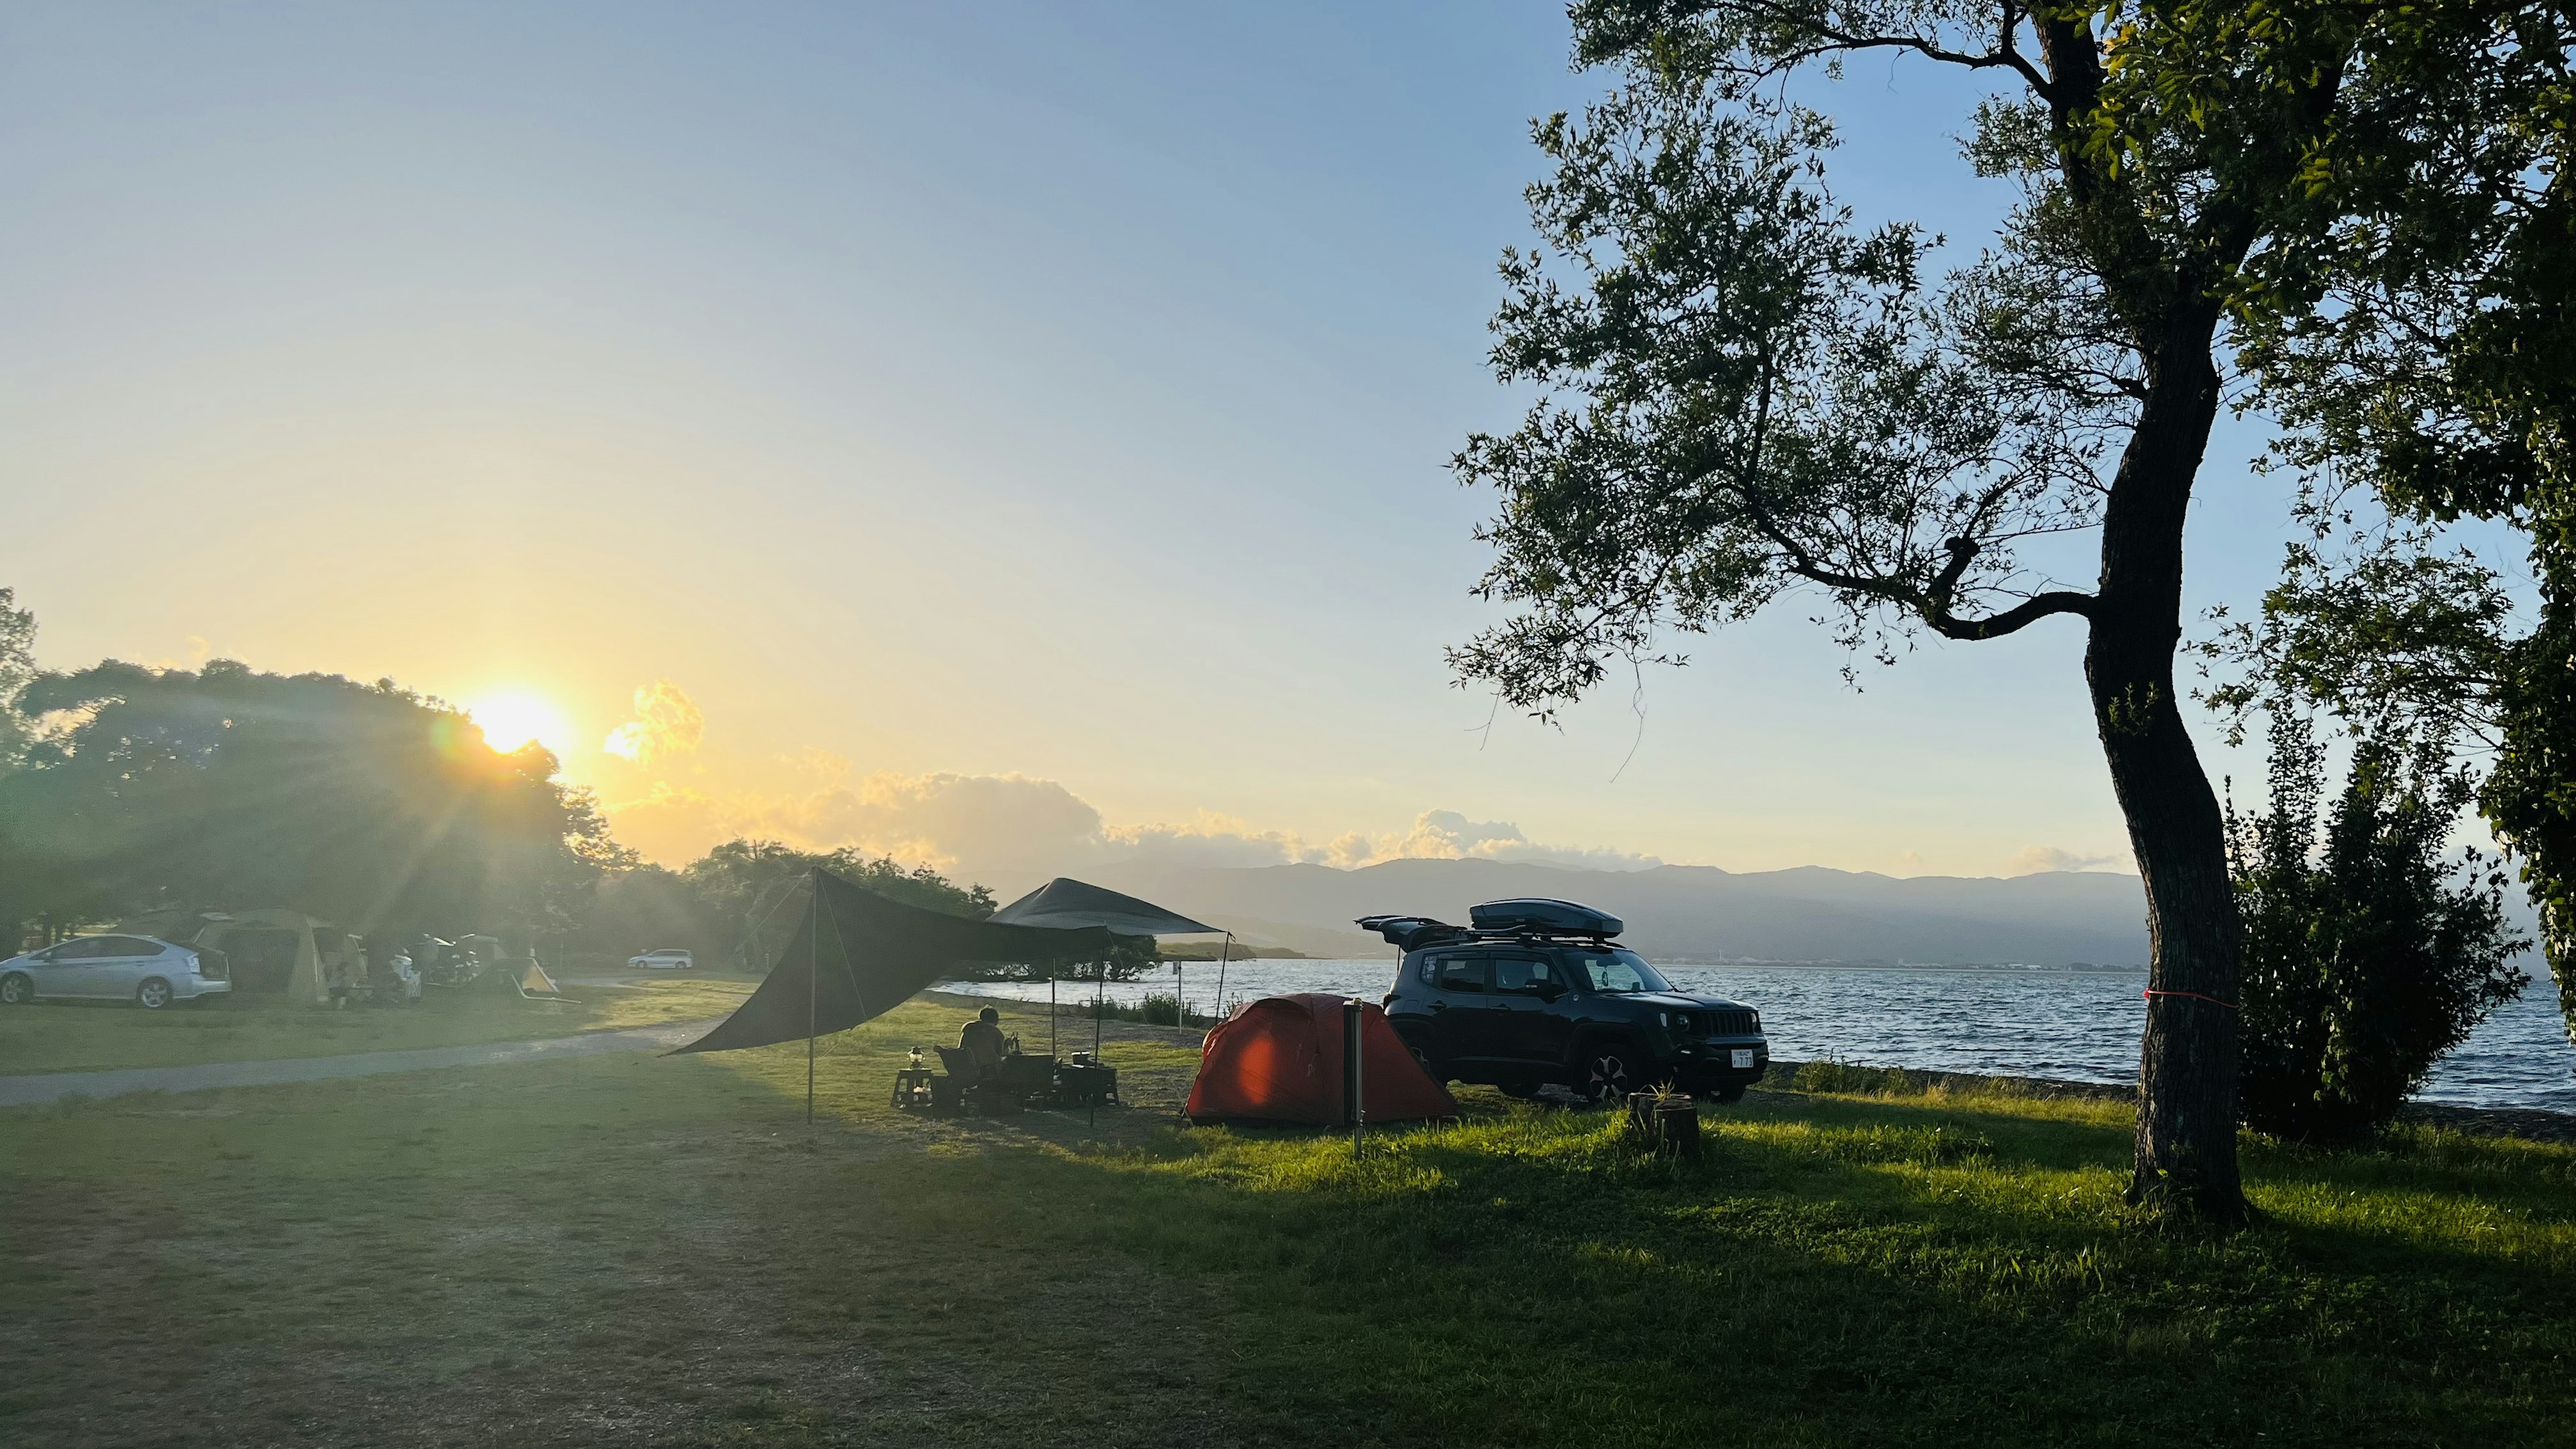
(1664, 1123)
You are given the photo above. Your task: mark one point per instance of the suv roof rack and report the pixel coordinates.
(1499, 920)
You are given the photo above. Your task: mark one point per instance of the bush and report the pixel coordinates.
(2367, 957)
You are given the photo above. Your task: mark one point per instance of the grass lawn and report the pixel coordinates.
(90, 1036)
(631, 1250)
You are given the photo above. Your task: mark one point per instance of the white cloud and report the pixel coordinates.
(2037, 858)
(1007, 825)
(1212, 840)
(1448, 835)
(667, 722)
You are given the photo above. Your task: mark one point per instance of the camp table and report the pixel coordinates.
(1080, 1083)
(912, 1087)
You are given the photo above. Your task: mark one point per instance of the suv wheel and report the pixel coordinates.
(153, 994)
(1611, 1070)
(17, 989)
(1729, 1095)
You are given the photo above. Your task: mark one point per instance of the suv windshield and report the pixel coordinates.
(1622, 970)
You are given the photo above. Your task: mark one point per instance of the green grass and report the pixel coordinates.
(87, 1036)
(657, 1251)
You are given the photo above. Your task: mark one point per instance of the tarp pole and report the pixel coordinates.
(1099, 993)
(813, 973)
(1222, 954)
(1051, 974)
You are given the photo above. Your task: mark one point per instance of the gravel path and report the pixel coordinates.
(44, 1087)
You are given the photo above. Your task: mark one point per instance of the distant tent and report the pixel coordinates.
(1062, 903)
(1279, 1059)
(857, 955)
(535, 982)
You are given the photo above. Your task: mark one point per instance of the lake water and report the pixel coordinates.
(2079, 1026)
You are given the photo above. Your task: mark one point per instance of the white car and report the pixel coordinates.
(666, 958)
(148, 972)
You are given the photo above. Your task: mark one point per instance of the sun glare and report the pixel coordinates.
(511, 720)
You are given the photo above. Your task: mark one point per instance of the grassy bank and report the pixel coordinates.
(87, 1036)
(634, 1250)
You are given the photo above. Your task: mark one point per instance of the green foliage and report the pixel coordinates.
(2414, 330)
(1744, 393)
(2367, 955)
(230, 788)
(17, 667)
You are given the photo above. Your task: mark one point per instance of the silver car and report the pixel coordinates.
(147, 972)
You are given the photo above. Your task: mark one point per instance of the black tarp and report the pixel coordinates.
(1071, 904)
(857, 955)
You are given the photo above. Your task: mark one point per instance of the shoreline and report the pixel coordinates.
(2532, 1123)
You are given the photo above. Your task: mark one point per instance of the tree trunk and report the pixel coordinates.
(2186, 1134)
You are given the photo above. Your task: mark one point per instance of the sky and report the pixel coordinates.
(1007, 435)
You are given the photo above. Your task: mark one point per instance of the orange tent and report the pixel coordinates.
(1279, 1059)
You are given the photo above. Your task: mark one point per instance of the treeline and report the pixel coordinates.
(126, 790)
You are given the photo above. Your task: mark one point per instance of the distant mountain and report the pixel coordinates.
(1692, 912)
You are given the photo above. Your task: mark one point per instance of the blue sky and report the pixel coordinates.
(928, 393)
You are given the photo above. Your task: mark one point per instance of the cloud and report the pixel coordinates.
(986, 822)
(1000, 825)
(977, 822)
(2037, 858)
(1213, 840)
(1449, 835)
(667, 722)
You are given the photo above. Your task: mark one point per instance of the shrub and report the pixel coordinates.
(2367, 957)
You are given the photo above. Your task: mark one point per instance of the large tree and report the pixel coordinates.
(227, 787)
(1745, 394)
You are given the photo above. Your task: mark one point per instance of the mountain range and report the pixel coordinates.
(1683, 912)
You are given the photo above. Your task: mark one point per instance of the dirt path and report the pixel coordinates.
(40, 1088)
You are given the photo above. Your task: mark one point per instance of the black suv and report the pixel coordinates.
(1535, 992)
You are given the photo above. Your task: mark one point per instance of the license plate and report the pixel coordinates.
(1744, 1058)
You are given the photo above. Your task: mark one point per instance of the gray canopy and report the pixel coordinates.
(1063, 904)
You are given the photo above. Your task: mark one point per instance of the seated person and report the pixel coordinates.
(982, 1042)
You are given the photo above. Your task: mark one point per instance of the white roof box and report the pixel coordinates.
(1538, 913)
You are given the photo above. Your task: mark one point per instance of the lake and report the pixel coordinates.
(2078, 1026)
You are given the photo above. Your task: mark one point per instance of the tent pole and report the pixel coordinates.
(813, 970)
(1099, 990)
(1051, 1028)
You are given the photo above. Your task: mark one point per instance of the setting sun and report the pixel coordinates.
(512, 719)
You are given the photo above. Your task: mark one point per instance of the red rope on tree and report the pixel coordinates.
(2194, 995)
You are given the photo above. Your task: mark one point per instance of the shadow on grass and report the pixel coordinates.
(1833, 1271)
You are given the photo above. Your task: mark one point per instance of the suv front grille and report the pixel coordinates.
(1721, 1023)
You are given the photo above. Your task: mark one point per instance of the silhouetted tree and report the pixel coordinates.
(1746, 394)
(231, 788)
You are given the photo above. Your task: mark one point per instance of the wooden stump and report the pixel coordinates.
(1664, 1122)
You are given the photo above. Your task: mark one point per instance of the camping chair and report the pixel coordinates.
(948, 1092)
